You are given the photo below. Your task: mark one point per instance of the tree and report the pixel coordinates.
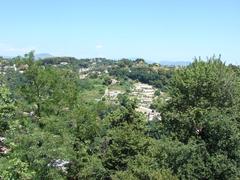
(107, 81)
(7, 108)
(125, 138)
(15, 169)
(48, 90)
(201, 115)
(204, 84)
(87, 132)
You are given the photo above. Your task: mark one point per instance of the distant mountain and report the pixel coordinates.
(43, 56)
(166, 62)
(175, 63)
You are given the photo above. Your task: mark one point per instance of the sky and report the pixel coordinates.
(156, 30)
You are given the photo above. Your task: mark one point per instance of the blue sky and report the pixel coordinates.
(152, 29)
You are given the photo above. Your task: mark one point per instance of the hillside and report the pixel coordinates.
(69, 118)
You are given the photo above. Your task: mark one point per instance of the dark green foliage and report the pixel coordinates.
(49, 90)
(204, 84)
(107, 81)
(201, 117)
(158, 77)
(125, 137)
(7, 109)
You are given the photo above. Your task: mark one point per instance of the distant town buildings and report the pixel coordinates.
(6, 66)
(112, 94)
(64, 63)
(145, 95)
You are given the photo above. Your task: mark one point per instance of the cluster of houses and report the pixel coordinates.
(112, 94)
(63, 63)
(145, 95)
(4, 67)
(84, 72)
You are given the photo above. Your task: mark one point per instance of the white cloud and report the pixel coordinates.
(99, 46)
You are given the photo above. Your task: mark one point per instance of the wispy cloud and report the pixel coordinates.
(99, 46)
(7, 48)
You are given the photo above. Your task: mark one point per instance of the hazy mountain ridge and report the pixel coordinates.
(43, 56)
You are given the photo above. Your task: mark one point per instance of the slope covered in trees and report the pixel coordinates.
(53, 126)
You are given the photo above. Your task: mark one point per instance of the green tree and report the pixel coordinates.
(125, 138)
(7, 109)
(15, 169)
(87, 130)
(204, 84)
(48, 90)
(107, 81)
(201, 117)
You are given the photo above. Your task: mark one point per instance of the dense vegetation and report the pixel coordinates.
(54, 128)
(139, 70)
